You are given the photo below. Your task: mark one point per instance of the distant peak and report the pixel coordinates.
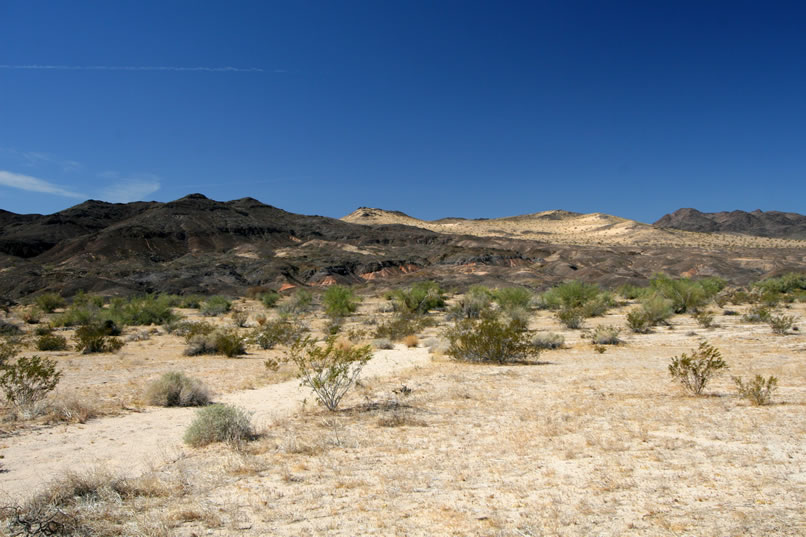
(196, 196)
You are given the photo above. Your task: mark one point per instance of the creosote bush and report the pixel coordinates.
(638, 322)
(694, 371)
(215, 305)
(758, 391)
(490, 340)
(269, 299)
(571, 317)
(50, 302)
(51, 342)
(219, 423)
(686, 295)
(94, 338)
(704, 318)
(277, 332)
(781, 324)
(299, 302)
(339, 301)
(177, 389)
(402, 325)
(420, 298)
(28, 381)
(220, 341)
(605, 335)
(330, 369)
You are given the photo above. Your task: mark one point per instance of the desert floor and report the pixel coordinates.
(581, 443)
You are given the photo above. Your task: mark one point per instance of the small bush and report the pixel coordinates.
(472, 305)
(299, 302)
(269, 299)
(420, 298)
(78, 315)
(411, 341)
(657, 309)
(50, 302)
(215, 306)
(82, 299)
(8, 350)
(781, 324)
(757, 314)
(686, 295)
(704, 318)
(177, 389)
(401, 326)
(632, 292)
(28, 381)
(188, 330)
(279, 332)
(226, 342)
(382, 343)
(490, 340)
(239, 318)
(330, 370)
(548, 340)
(219, 423)
(571, 317)
(694, 371)
(339, 301)
(93, 338)
(606, 335)
(51, 342)
(509, 298)
(638, 322)
(758, 391)
(141, 311)
(31, 315)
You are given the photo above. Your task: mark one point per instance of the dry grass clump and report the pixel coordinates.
(220, 341)
(605, 335)
(177, 389)
(411, 341)
(548, 341)
(758, 391)
(220, 423)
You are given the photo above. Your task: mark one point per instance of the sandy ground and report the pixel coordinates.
(584, 443)
(136, 442)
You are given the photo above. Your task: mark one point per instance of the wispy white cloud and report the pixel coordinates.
(225, 69)
(32, 184)
(33, 159)
(128, 188)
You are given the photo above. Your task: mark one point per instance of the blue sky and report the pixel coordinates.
(436, 108)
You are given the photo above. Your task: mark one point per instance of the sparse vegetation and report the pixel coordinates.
(638, 322)
(704, 318)
(50, 302)
(758, 391)
(695, 370)
(473, 304)
(98, 337)
(219, 341)
(277, 332)
(215, 306)
(606, 335)
(177, 389)
(219, 423)
(490, 340)
(686, 295)
(571, 317)
(51, 342)
(420, 298)
(269, 299)
(548, 340)
(757, 314)
(329, 369)
(28, 381)
(400, 326)
(297, 303)
(781, 324)
(339, 301)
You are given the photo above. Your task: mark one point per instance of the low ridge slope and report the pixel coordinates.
(758, 223)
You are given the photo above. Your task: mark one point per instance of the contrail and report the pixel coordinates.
(137, 68)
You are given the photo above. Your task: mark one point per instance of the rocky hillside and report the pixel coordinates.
(199, 245)
(758, 223)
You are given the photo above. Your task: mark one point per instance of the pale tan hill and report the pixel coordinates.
(564, 227)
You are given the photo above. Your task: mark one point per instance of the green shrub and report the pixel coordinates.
(50, 302)
(489, 340)
(220, 341)
(51, 342)
(472, 305)
(632, 292)
(9, 348)
(330, 370)
(9, 329)
(82, 299)
(509, 298)
(339, 301)
(299, 302)
(28, 381)
(278, 332)
(78, 315)
(694, 371)
(657, 309)
(686, 295)
(598, 306)
(93, 338)
(548, 340)
(219, 423)
(188, 329)
(570, 295)
(758, 391)
(788, 283)
(571, 317)
(704, 318)
(141, 311)
(269, 299)
(638, 322)
(420, 298)
(606, 335)
(757, 314)
(215, 305)
(177, 389)
(402, 325)
(781, 324)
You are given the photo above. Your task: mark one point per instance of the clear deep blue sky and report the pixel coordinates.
(436, 108)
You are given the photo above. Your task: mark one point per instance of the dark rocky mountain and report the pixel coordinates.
(198, 245)
(759, 223)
